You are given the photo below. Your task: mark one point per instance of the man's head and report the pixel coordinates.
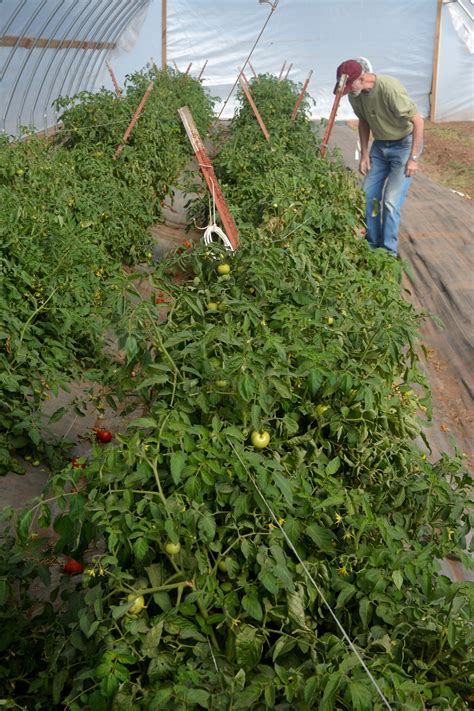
(354, 71)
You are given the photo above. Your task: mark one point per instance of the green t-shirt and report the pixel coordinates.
(386, 109)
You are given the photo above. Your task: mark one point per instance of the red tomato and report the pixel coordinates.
(73, 567)
(103, 436)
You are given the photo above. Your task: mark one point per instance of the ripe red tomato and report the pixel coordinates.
(103, 436)
(73, 567)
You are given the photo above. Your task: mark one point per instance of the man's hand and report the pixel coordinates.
(411, 168)
(364, 165)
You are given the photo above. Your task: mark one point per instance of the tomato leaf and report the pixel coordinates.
(207, 527)
(253, 607)
(177, 462)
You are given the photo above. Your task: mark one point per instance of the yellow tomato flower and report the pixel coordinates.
(338, 518)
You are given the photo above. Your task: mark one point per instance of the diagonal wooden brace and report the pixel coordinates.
(332, 115)
(300, 97)
(209, 176)
(134, 120)
(118, 91)
(246, 91)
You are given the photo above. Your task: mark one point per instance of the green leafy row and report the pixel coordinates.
(70, 217)
(192, 597)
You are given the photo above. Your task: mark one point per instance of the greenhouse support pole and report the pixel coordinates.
(164, 14)
(434, 81)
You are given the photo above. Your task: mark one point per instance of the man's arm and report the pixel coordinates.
(416, 144)
(364, 133)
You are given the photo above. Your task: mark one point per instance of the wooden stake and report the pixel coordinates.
(189, 67)
(246, 91)
(114, 80)
(202, 70)
(282, 70)
(244, 77)
(332, 115)
(134, 120)
(164, 29)
(175, 66)
(253, 70)
(300, 97)
(288, 71)
(434, 79)
(210, 177)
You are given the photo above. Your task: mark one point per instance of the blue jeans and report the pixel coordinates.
(386, 188)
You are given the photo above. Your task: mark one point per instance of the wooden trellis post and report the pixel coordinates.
(164, 31)
(210, 177)
(134, 120)
(282, 70)
(253, 71)
(300, 97)
(332, 115)
(246, 91)
(118, 91)
(202, 70)
(288, 71)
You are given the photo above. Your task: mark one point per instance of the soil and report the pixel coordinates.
(448, 156)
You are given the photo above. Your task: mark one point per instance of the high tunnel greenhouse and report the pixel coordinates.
(236, 430)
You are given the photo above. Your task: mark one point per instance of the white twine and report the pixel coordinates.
(318, 589)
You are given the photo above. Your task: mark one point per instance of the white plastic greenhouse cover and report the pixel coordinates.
(397, 36)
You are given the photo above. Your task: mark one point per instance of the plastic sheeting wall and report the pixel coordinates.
(397, 36)
(32, 76)
(455, 91)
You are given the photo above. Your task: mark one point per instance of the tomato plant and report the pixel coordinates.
(234, 620)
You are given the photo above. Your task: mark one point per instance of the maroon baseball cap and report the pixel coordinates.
(353, 70)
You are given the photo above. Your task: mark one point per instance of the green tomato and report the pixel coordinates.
(221, 383)
(223, 269)
(260, 440)
(138, 603)
(172, 548)
(222, 566)
(212, 306)
(36, 462)
(330, 320)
